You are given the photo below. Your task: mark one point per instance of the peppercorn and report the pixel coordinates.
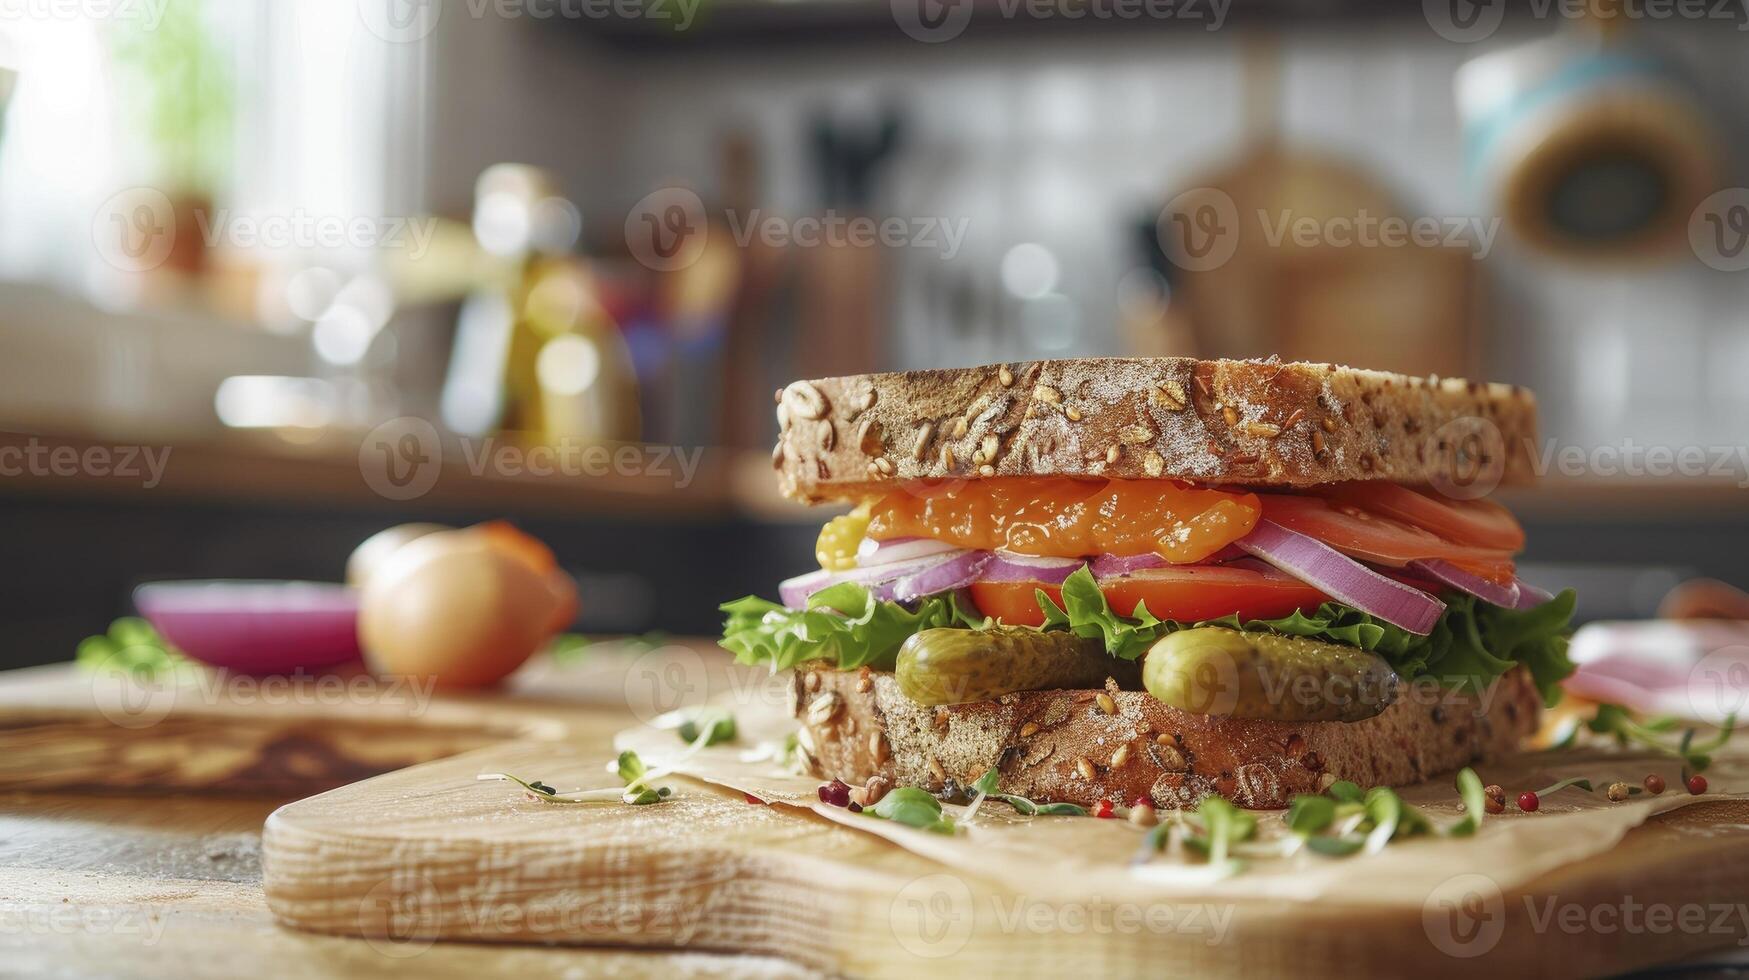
(1495, 798)
(1528, 802)
(1654, 784)
(1618, 792)
(1697, 784)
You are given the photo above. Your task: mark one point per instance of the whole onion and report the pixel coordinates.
(463, 608)
(379, 546)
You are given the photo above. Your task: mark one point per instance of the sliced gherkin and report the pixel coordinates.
(954, 666)
(1216, 671)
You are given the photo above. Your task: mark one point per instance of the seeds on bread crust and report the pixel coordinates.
(923, 436)
(869, 437)
(1170, 395)
(1190, 436)
(1180, 761)
(805, 401)
(824, 709)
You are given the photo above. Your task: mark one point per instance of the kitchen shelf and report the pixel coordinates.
(243, 471)
(733, 24)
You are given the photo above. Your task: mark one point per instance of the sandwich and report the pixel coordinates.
(1149, 580)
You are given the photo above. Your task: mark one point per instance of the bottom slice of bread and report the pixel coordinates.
(1080, 747)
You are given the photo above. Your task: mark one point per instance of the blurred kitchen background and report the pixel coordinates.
(268, 236)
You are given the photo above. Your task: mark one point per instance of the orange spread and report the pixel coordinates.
(1069, 518)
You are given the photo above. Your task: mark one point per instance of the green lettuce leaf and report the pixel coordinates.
(1473, 642)
(844, 625)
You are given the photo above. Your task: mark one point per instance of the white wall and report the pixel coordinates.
(1066, 136)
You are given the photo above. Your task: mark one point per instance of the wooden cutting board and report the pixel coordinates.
(65, 729)
(432, 853)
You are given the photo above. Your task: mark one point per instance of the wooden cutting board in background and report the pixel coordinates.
(65, 729)
(1299, 267)
(433, 853)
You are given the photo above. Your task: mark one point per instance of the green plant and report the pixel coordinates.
(177, 82)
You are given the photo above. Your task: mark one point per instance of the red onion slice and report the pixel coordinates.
(1342, 578)
(1006, 566)
(896, 581)
(1504, 596)
(956, 572)
(1113, 566)
(1529, 596)
(871, 552)
(1259, 566)
(795, 591)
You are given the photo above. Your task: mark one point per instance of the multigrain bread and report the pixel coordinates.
(1256, 423)
(1091, 745)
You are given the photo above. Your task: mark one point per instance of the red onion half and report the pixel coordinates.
(1342, 578)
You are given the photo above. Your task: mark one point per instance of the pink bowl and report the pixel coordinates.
(256, 627)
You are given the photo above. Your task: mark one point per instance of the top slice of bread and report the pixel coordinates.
(1252, 423)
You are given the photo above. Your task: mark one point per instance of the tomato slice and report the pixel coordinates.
(1379, 540)
(1479, 523)
(1187, 593)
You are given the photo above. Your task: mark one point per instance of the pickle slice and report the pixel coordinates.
(954, 666)
(1216, 671)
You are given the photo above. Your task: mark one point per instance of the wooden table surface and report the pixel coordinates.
(170, 885)
(119, 882)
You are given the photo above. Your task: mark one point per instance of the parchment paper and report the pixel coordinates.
(1088, 859)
